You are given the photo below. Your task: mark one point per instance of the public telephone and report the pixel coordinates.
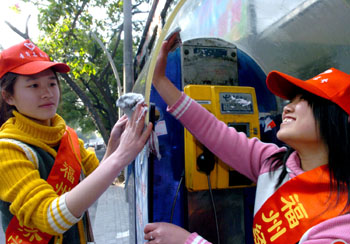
(237, 107)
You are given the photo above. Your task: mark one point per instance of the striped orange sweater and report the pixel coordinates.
(20, 183)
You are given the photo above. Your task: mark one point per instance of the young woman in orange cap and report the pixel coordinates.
(41, 159)
(302, 189)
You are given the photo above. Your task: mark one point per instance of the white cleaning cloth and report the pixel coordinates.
(127, 103)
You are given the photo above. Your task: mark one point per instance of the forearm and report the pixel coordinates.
(108, 152)
(228, 145)
(167, 90)
(92, 187)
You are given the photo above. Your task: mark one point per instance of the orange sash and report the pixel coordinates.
(63, 176)
(296, 206)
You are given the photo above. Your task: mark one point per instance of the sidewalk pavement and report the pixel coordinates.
(2, 234)
(109, 218)
(110, 214)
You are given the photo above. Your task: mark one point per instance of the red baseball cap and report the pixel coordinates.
(27, 59)
(332, 84)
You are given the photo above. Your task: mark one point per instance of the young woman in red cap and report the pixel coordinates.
(303, 189)
(42, 199)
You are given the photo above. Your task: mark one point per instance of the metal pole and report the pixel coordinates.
(128, 55)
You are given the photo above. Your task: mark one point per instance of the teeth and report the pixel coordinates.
(287, 120)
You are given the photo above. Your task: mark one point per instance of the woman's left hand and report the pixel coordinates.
(116, 133)
(165, 233)
(134, 136)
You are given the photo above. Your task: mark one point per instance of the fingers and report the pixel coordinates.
(150, 227)
(139, 113)
(146, 133)
(122, 119)
(149, 235)
(173, 41)
(137, 122)
(120, 124)
(168, 46)
(164, 49)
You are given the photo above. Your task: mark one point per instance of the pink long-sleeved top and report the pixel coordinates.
(249, 157)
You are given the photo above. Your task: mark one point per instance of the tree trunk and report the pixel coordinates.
(94, 114)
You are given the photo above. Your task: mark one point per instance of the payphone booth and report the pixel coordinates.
(217, 200)
(173, 189)
(180, 192)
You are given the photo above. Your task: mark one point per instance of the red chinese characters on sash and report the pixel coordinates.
(296, 206)
(63, 177)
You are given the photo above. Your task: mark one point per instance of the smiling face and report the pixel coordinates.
(36, 96)
(298, 126)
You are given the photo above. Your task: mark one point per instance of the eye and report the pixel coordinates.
(33, 85)
(53, 81)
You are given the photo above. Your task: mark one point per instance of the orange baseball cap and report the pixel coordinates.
(332, 84)
(27, 59)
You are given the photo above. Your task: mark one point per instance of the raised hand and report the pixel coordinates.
(165, 88)
(167, 46)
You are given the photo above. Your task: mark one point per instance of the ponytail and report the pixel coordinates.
(6, 86)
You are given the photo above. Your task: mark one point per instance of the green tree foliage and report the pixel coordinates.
(67, 27)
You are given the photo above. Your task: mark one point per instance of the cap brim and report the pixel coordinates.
(35, 67)
(286, 86)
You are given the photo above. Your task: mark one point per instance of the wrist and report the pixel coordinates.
(122, 158)
(194, 238)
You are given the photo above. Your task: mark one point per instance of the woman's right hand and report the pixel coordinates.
(163, 85)
(116, 133)
(165, 233)
(134, 136)
(167, 46)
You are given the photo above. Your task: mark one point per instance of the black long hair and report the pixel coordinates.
(7, 83)
(334, 129)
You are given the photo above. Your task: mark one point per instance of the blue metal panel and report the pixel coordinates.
(168, 170)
